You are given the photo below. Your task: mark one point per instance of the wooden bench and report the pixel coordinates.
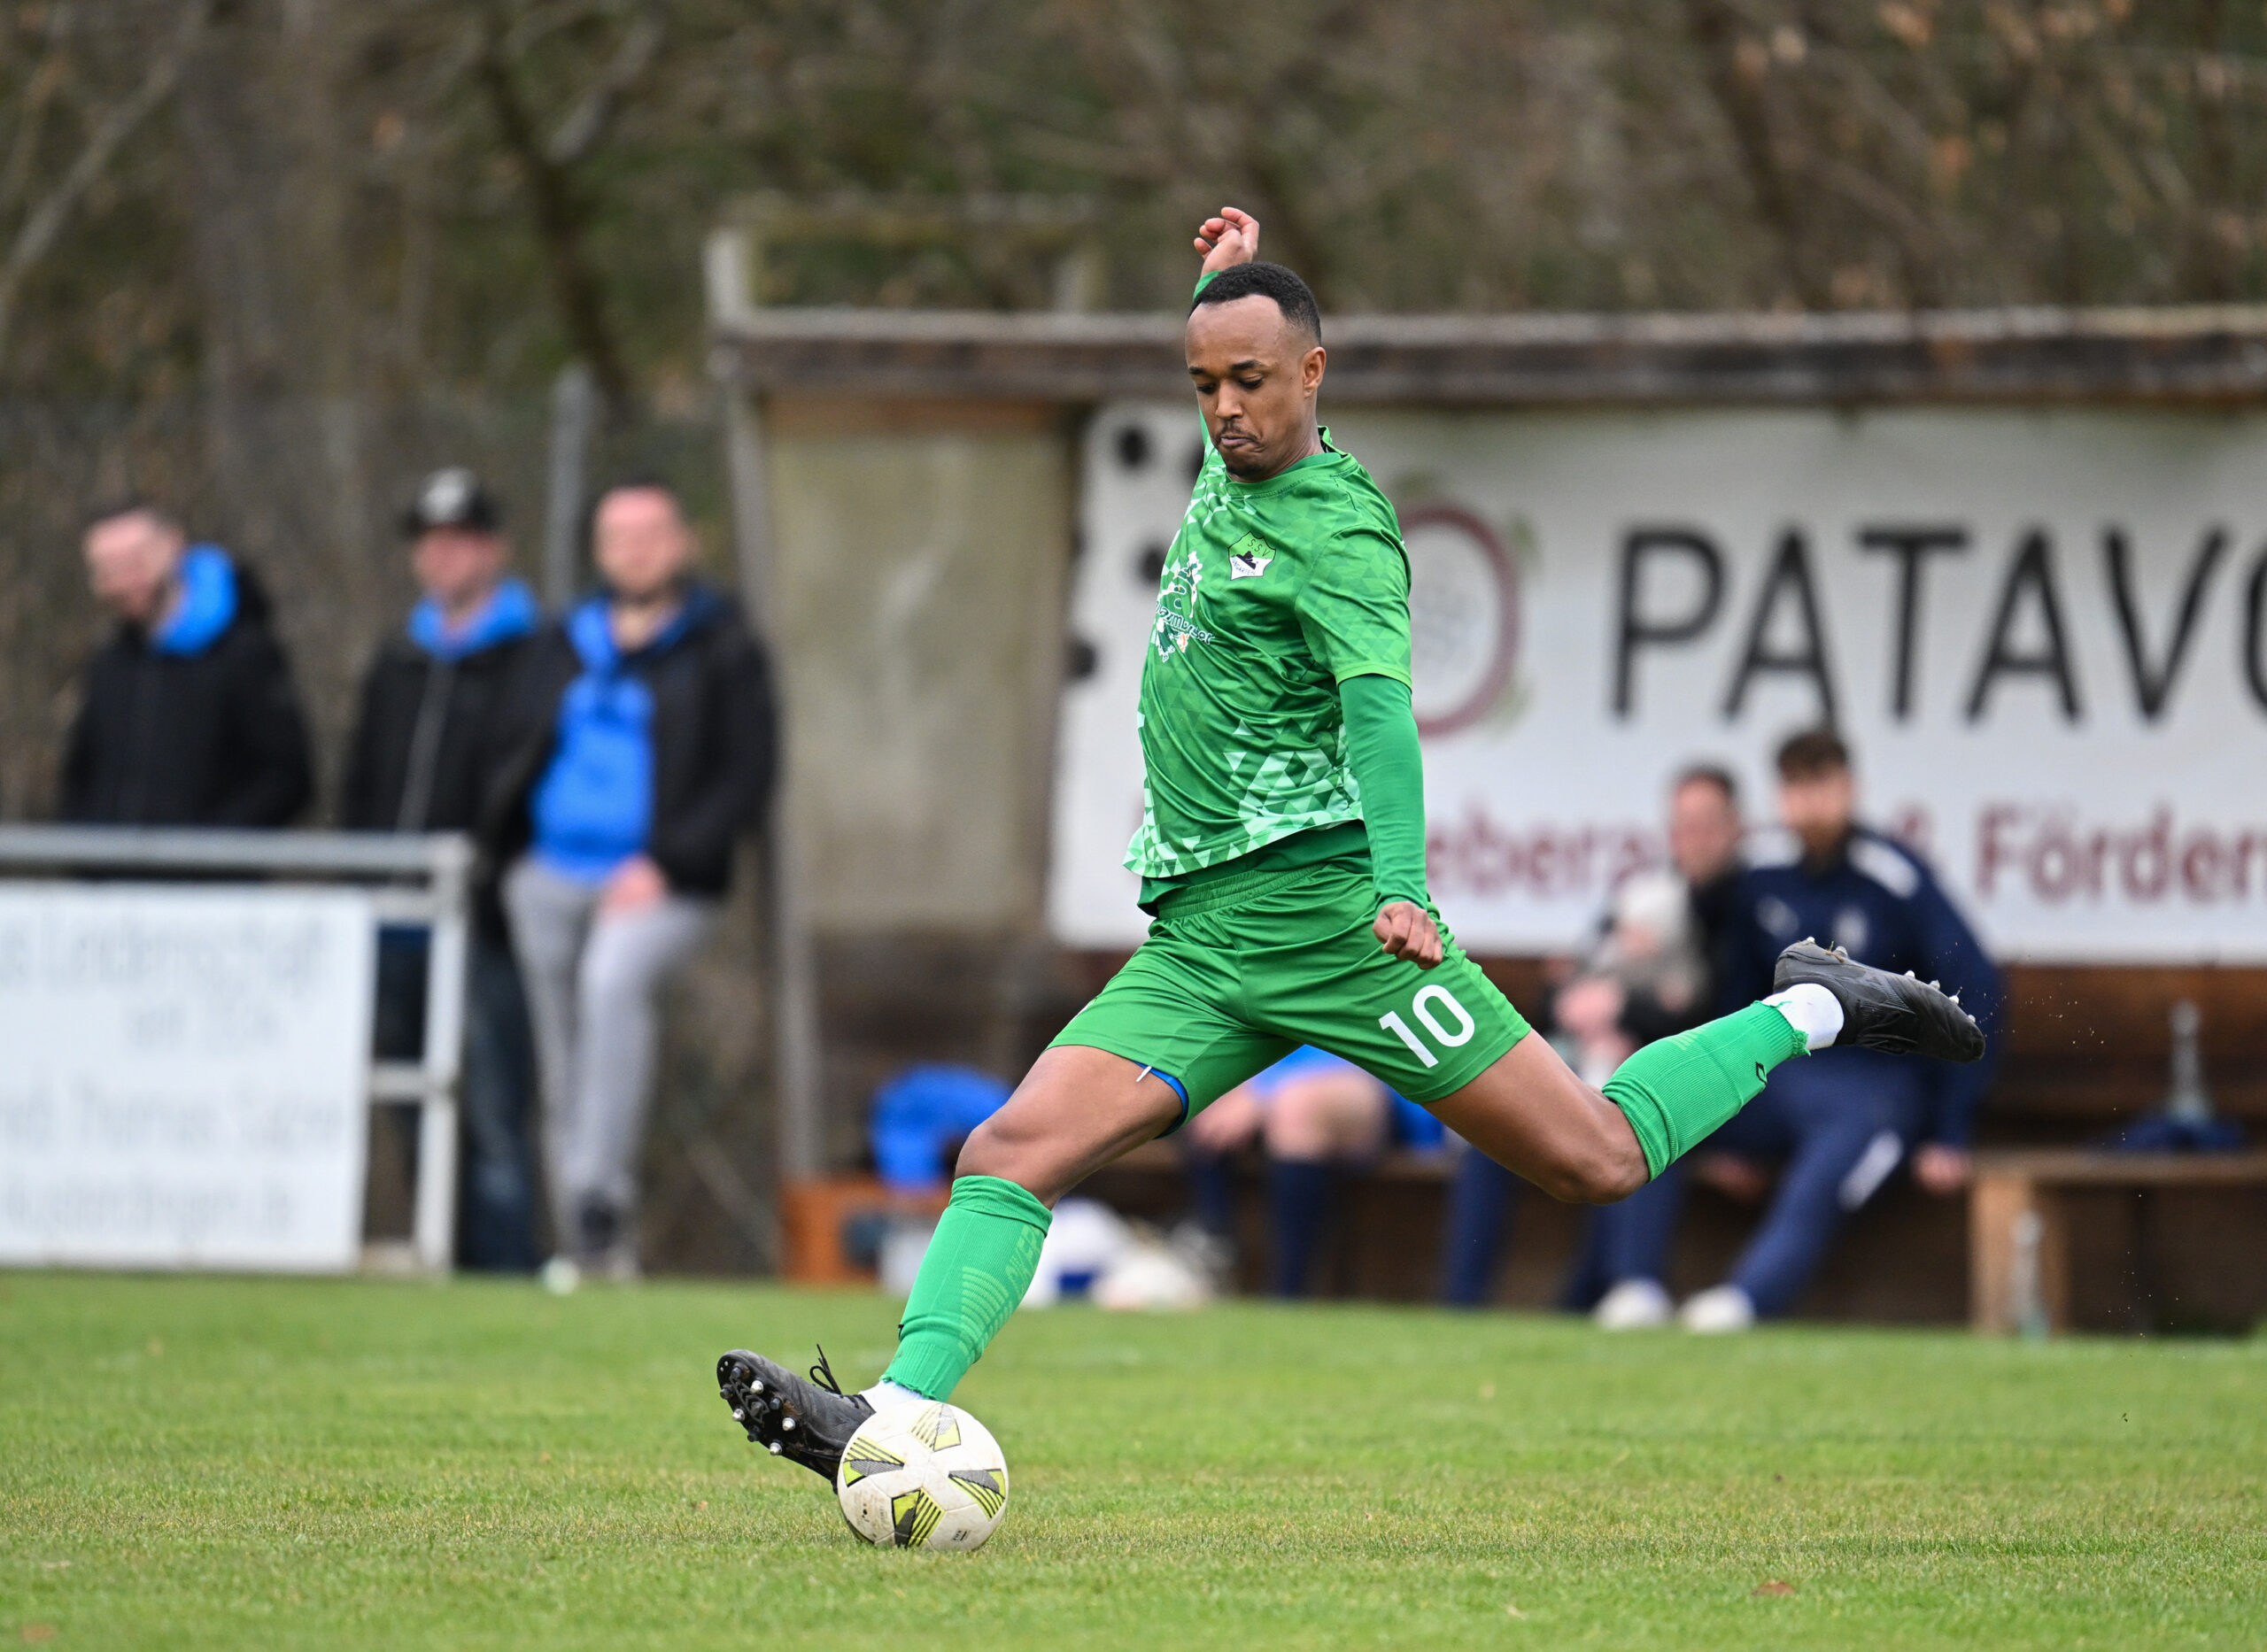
(2018, 1236)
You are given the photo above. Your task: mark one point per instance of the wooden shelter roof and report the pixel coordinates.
(2206, 356)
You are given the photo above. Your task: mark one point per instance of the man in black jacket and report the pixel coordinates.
(640, 747)
(188, 716)
(423, 754)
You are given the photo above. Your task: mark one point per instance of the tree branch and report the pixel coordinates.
(1716, 27)
(561, 220)
(37, 91)
(40, 227)
(579, 133)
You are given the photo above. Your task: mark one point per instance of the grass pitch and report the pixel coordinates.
(214, 1463)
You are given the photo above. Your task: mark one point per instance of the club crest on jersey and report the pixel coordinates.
(1176, 625)
(1244, 564)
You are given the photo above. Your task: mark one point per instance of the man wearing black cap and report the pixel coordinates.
(421, 761)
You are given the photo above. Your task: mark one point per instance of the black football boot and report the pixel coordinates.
(806, 1421)
(1880, 1011)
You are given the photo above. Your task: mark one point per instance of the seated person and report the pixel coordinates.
(1314, 1114)
(1650, 975)
(1834, 1127)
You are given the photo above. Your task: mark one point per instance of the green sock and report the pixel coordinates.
(1677, 1091)
(977, 1271)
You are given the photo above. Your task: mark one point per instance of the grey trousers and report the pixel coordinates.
(593, 985)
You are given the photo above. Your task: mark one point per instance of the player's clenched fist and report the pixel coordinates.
(1232, 238)
(1407, 930)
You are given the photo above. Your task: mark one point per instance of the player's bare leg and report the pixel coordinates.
(1530, 1113)
(1076, 1111)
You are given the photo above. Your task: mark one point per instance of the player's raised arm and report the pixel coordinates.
(1230, 239)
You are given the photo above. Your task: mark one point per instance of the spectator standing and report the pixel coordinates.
(639, 745)
(188, 716)
(1835, 1126)
(1664, 963)
(425, 748)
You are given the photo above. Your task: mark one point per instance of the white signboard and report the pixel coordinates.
(2043, 632)
(185, 1075)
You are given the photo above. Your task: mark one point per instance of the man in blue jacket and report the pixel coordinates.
(1836, 1126)
(639, 740)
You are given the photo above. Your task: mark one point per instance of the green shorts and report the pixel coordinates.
(1239, 971)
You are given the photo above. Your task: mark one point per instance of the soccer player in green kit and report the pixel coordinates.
(1282, 856)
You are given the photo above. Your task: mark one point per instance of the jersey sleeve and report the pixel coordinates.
(1388, 765)
(1353, 607)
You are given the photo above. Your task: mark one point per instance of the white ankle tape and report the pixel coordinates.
(1811, 1010)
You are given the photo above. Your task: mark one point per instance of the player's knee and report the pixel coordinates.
(1010, 1149)
(1621, 1171)
(1602, 1172)
(990, 1150)
(1622, 1174)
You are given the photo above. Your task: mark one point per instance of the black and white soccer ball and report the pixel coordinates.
(922, 1475)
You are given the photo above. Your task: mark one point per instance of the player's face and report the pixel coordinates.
(1256, 378)
(130, 563)
(1703, 830)
(640, 542)
(1818, 809)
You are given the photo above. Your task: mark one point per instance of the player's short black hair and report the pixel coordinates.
(1265, 280)
(1812, 753)
(1708, 775)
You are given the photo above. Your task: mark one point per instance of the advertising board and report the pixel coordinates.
(186, 1076)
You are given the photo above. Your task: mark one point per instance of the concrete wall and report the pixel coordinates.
(921, 553)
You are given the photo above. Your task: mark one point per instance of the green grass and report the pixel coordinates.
(210, 1463)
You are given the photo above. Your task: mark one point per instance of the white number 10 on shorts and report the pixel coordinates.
(1430, 1003)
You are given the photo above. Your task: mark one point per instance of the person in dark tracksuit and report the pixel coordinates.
(188, 716)
(1705, 829)
(638, 749)
(422, 755)
(1837, 1125)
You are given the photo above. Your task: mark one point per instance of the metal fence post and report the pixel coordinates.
(433, 1228)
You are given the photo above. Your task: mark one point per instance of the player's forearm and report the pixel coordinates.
(1390, 767)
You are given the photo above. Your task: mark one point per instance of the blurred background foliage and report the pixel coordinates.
(395, 196)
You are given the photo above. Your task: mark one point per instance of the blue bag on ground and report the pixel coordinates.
(923, 1110)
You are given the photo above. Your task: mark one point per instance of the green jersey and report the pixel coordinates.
(1273, 593)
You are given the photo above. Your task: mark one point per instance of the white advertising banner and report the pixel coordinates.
(185, 1077)
(2043, 632)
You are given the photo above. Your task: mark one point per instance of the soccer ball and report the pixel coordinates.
(922, 1475)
